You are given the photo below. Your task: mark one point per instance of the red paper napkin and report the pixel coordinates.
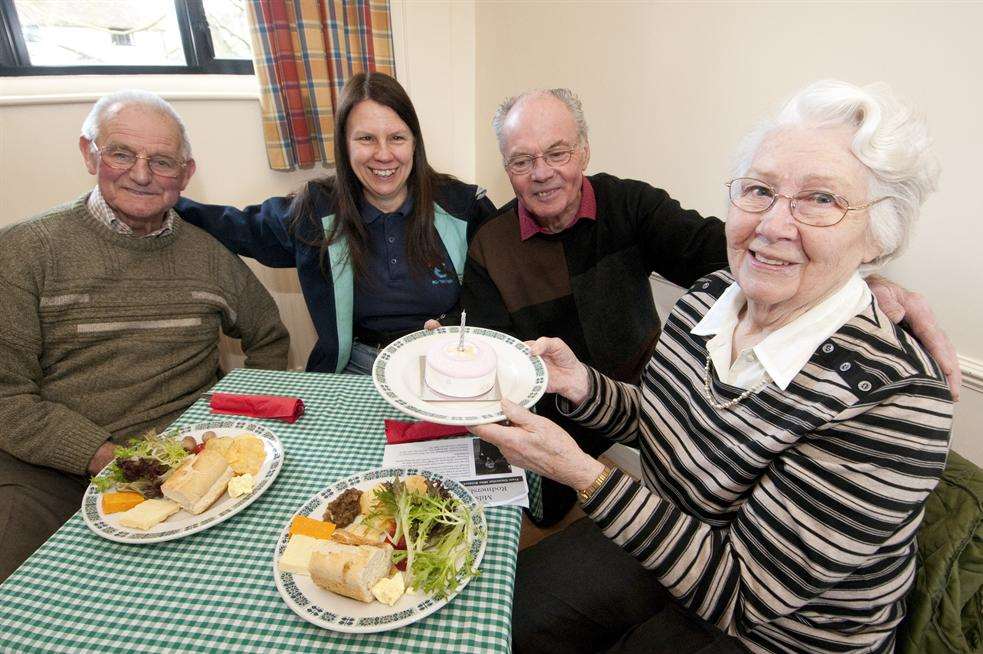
(259, 406)
(398, 431)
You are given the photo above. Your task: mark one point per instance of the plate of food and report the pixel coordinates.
(174, 484)
(437, 376)
(379, 550)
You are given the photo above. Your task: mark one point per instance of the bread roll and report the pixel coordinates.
(199, 481)
(349, 570)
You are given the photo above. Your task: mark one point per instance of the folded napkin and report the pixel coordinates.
(398, 431)
(259, 406)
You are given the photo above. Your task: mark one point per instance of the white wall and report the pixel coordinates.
(669, 89)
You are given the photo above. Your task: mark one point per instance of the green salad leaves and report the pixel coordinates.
(142, 465)
(438, 529)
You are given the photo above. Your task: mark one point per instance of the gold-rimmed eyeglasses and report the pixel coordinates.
(523, 163)
(123, 159)
(808, 206)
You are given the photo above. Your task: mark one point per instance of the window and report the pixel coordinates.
(91, 37)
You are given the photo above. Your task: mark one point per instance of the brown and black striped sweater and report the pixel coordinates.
(788, 520)
(109, 335)
(589, 284)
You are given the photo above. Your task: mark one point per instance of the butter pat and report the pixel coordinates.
(148, 513)
(297, 557)
(388, 591)
(241, 485)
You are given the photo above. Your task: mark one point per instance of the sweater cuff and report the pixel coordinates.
(585, 409)
(74, 453)
(600, 500)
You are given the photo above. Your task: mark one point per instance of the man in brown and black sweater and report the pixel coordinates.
(571, 257)
(111, 317)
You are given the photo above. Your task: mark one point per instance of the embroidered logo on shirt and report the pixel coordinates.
(441, 276)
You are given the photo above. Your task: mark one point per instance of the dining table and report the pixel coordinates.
(214, 590)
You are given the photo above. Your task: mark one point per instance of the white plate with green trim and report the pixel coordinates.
(522, 377)
(339, 613)
(182, 523)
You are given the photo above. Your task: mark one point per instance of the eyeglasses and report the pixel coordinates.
(810, 207)
(122, 159)
(523, 163)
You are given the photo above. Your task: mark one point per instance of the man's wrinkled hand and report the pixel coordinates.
(901, 304)
(102, 457)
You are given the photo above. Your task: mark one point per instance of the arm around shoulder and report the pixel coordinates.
(261, 231)
(679, 244)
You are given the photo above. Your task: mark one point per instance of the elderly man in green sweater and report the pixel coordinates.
(111, 316)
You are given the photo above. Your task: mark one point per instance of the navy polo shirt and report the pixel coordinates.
(395, 301)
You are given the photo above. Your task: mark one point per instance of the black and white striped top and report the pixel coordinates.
(789, 519)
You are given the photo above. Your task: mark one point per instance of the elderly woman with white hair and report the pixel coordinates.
(789, 431)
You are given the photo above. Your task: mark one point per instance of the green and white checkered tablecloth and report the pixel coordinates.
(214, 590)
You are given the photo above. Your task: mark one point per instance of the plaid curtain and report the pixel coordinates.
(304, 51)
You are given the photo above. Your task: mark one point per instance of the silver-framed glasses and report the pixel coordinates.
(523, 163)
(813, 207)
(120, 158)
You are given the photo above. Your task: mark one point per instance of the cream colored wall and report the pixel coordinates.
(40, 165)
(669, 88)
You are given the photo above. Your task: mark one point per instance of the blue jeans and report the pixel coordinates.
(361, 361)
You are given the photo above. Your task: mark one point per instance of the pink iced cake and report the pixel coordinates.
(466, 372)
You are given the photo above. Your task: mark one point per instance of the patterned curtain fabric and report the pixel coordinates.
(304, 51)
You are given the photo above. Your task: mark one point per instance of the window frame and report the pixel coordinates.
(195, 36)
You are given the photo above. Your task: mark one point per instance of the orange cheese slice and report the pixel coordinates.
(311, 527)
(120, 501)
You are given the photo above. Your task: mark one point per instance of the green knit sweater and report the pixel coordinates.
(104, 335)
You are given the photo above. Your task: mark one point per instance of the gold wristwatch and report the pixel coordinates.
(586, 493)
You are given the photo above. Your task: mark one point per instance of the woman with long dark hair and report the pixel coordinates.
(379, 246)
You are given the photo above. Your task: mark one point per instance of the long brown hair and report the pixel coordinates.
(422, 245)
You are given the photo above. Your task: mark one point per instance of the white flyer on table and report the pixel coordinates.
(477, 465)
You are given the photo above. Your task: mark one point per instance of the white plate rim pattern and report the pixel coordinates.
(313, 612)
(423, 409)
(209, 518)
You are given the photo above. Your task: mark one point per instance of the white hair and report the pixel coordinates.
(566, 96)
(108, 105)
(891, 140)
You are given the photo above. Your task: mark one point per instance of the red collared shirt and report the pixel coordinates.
(528, 227)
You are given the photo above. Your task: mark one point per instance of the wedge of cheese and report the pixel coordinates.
(148, 513)
(117, 502)
(297, 557)
(310, 527)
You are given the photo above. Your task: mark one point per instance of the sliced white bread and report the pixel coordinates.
(199, 481)
(349, 570)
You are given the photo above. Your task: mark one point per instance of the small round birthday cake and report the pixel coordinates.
(465, 372)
